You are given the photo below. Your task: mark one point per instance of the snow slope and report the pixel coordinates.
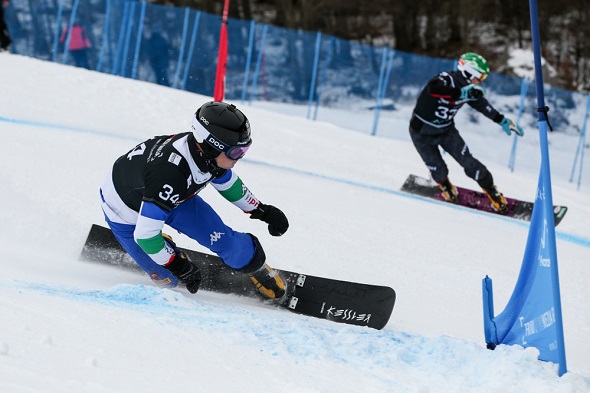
(69, 326)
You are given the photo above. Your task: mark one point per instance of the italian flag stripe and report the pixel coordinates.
(235, 192)
(153, 245)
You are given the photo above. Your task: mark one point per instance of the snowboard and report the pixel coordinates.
(334, 300)
(517, 209)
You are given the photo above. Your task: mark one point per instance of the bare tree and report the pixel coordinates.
(435, 28)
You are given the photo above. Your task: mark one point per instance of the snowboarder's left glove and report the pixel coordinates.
(274, 217)
(509, 126)
(183, 268)
(472, 92)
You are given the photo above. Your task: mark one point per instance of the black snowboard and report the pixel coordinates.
(334, 300)
(517, 209)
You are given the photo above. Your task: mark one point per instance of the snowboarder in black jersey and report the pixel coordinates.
(432, 125)
(157, 183)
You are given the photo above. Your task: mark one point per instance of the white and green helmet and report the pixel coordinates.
(473, 66)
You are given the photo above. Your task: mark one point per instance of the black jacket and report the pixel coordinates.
(439, 102)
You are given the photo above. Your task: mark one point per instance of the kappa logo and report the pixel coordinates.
(215, 236)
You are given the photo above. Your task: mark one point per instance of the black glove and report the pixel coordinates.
(472, 92)
(183, 268)
(274, 217)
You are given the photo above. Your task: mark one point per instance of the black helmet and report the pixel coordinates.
(221, 127)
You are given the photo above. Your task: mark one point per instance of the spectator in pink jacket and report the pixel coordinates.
(78, 45)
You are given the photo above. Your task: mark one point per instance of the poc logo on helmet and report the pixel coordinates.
(204, 120)
(215, 143)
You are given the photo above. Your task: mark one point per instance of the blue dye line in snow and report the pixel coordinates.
(579, 240)
(136, 295)
(298, 337)
(584, 242)
(64, 128)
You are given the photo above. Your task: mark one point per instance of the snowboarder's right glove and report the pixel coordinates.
(274, 217)
(472, 92)
(183, 268)
(509, 126)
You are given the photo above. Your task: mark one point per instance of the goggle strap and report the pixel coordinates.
(200, 132)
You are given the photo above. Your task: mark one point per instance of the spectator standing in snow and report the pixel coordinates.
(4, 35)
(157, 49)
(78, 45)
(432, 125)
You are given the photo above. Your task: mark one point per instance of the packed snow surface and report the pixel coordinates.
(73, 326)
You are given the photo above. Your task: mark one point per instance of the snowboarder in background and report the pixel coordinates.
(432, 125)
(157, 183)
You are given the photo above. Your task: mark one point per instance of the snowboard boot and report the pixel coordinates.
(498, 201)
(448, 190)
(269, 282)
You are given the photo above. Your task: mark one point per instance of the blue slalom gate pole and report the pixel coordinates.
(379, 84)
(191, 49)
(532, 316)
(57, 31)
(524, 87)
(121, 38)
(248, 59)
(105, 35)
(187, 13)
(323, 77)
(128, 30)
(258, 62)
(69, 33)
(580, 148)
(138, 40)
(546, 183)
(381, 92)
(316, 60)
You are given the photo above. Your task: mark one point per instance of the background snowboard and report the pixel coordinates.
(335, 300)
(520, 210)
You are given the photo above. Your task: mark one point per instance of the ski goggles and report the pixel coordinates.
(482, 77)
(477, 75)
(237, 152)
(232, 152)
(473, 72)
